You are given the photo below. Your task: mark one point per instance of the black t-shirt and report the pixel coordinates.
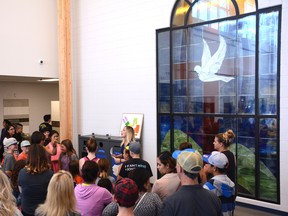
(132, 164)
(34, 189)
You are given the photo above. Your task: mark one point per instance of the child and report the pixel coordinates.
(74, 170)
(9, 159)
(25, 145)
(221, 184)
(68, 154)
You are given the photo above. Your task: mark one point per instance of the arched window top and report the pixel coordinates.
(187, 12)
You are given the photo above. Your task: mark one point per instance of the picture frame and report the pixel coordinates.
(134, 120)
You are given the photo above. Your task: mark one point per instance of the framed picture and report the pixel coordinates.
(134, 120)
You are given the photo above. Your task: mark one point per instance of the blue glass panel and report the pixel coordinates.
(180, 130)
(268, 58)
(164, 72)
(164, 129)
(246, 156)
(268, 151)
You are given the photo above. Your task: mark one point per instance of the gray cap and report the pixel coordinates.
(25, 143)
(135, 147)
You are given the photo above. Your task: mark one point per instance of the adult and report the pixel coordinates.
(46, 123)
(126, 195)
(9, 133)
(127, 134)
(147, 204)
(3, 134)
(60, 197)
(91, 149)
(7, 200)
(54, 159)
(222, 142)
(25, 145)
(169, 182)
(19, 135)
(220, 184)
(91, 199)
(68, 154)
(33, 180)
(135, 162)
(191, 199)
(9, 160)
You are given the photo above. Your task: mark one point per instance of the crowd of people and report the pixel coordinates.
(45, 177)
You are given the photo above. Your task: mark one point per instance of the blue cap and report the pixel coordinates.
(178, 152)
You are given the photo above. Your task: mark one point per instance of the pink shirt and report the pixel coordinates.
(58, 152)
(91, 199)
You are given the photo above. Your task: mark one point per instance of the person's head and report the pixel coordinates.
(25, 145)
(60, 199)
(126, 192)
(105, 183)
(54, 136)
(37, 138)
(74, 168)
(189, 163)
(126, 154)
(142, 178)
(20, 164)
(10, 131)
(7, 199)
(47, 118)
(10, 143)
(45, 131)
(104, 165)
(19, 128)
(134, 148)
(91, 145)
(166, 163)
(6, 122)
(90, 171)
(37, 161)
(184, 145)
(128, 134)
(67, 147)
(218, 162)
(223, 140)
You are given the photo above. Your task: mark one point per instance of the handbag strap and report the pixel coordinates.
(139, 201)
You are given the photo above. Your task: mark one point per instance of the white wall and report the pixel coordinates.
(114, 65)
(28, 33)
(39, 95)
(114, 71)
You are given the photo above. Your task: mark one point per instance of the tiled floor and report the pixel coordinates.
(243, 211)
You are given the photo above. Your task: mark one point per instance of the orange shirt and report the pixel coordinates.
(78, 179)
(22, 156)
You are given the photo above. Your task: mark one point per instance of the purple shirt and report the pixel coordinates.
(91, 199)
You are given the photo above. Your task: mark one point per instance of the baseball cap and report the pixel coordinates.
(177, 152)
(190, 161)
(134, 147)
(25, 143)
(9, 141)
(126, 192)
(216, 158)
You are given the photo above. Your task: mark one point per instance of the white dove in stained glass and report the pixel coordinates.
(207, 72)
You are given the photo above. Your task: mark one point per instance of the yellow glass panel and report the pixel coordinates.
(180, 13)
(246, 6)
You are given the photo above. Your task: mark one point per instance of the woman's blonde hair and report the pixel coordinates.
(130, 136)
(60, 199)
(7, 200)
